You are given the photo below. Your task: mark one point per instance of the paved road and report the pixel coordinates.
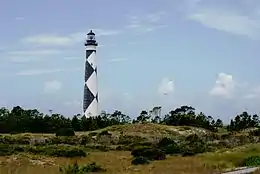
(243, 171)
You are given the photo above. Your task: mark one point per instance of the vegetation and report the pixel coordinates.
(19, 120)
(148, 143)
(76, 169)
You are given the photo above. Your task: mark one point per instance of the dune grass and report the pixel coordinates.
(119, 162)
(114, 162)
(230, 158)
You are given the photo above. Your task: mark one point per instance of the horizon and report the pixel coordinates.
(195, 52)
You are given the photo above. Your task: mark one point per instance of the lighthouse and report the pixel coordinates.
(90, 101)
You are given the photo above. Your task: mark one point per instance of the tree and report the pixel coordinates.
(219, 123)
(76, 124)
(143, 117)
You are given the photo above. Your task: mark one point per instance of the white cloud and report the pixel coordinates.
(118, 60)
(166, 87)
(31, 72)
(42, 52)
(64, 40)
(52, 39)
(224, 86)
(227, 19)
(22, 56)
(149, 22)
(52, 86)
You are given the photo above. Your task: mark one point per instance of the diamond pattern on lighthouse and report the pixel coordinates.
(89, 97)
(92, 60)
(89, 70)
(92, 83)
(92, 109)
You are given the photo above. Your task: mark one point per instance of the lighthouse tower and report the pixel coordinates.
(90, 101)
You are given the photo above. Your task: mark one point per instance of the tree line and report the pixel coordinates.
(20, 120)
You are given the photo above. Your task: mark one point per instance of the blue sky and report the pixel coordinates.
(202, 53)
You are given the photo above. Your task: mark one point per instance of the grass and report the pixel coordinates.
(230, 158)
(117, 162)
(114, 162)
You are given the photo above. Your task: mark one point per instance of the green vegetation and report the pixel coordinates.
(76, 169)
(146, 143)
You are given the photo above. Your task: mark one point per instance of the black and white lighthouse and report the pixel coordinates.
(90, 101)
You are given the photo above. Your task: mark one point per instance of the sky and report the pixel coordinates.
(202, 53)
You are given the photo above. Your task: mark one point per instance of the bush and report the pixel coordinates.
(172, 149)
(169, 146)
(188, 153)
(67, 153)
(193, 138)
(84, 140)
(71, 140)
(105, 132)
(102, 148)
(76, 169)
(255, 132)
(6, 150)
(57, 151)
(197, 147)
(212, 137)
(140, 160)
(65, 132)
(93, 134)
(7, 140)
(252, 161)
(150, 153)
(128, 139)
(226, 136)
(165, 142)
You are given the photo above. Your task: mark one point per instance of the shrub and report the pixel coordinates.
(140, 145)
(165, 142)
(57, 151)
(76, 169)
(93, 134)
(65, 132)
(198, 147)
(123, 148)
(169, 146)
(226, 136)
(252, 161)
(71, 140)
(188, 153)
(193, 138)
(7, 140)
(67, 153)
(102, 148)
(105, 132)
(128, 139)
(172, 149)
(150, 153)
(6, 150)
(84, 140)
(212, 136)
(140, 160)
(243, 139)
(255, 132)
(22, 140)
